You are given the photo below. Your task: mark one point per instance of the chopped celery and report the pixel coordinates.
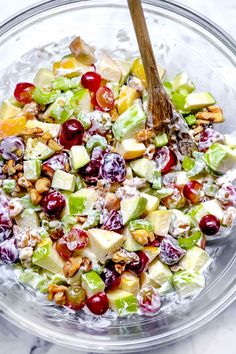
(189, 242)
(92, 219)
(62, 109)
(9, 185)
(81, 101)
(191, 119)
(157, 183)
(140, 224)
(96, 140)
(61, 83)
(188, 163)
(43, 97)
(84, 119)
(69, 221)
(161, 140)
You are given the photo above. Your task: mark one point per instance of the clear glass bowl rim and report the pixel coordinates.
(225, 301)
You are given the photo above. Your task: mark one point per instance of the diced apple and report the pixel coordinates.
(126, 98)
(132, 208)
(92, 283)
(161, 220)
(109, 69)
(130, 149)
(195, 259)
(63, 180)
(130, 244)
(28, 218)
(151, 252)
(159, 272)
(129, 282)
(146, 280)
(53, 129)
(152, 203)
(8, 110)
(123, 302)
(44, 78)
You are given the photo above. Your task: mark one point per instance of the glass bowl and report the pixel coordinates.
(182, 40)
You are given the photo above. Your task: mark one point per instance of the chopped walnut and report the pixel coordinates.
(24, 182)
(144, 135)
(213, 114)
(9, 168)
(112, 202)
(45, 137)
(142, 236)
(26, 237)
(31, 131)
(135, 83)
(35, 196)
(30, 110)
(83, 52)
(25, 255)
(15, 207)
(42, 185)
(76, 263)
(52, 144)
(127, 192)
(135, 182)
(175, 268)
(57, 293)
(150, 151)
(123, 256)
(120, 268)
(229, 217)
(197, 130)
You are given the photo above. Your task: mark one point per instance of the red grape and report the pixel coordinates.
(176, 200)
(209, 225)
(9, 252)
(149, 300)
(193, 191)
(75, 297)
(98, 304)
(76, 239)
(138, 267)
(90, 172)
(91, 80)
(110, 277)
(53, 203)
(5, 233)
(62, 249)
(105, 98)
(12, 148)
(170, 251)
(113, 168)
(71, 133)
(165, 159)
(5, 219)
(57, 162)
(113, 222)
(207, 137)
(23, 92)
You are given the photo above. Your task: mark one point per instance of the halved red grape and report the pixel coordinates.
(176, 200)
(105, 98)
(113, 168)
(53, 203)
(91, 80)
(170, 251)
(90, 172)
(110, 277)
(62, 249)
(23, 92)
(193, 191)
(76, 239)
(138, 267)
(209, 225)
(71, 133)
(207, 137)
(5, 233)
(165, 159)
(57, 162)
(5, 219)
(149, 300)
(98, 304)
(9, 252)
(12, 148)
(75, 297)
(113, 222)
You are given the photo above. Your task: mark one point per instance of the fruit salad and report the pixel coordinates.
(98, 212)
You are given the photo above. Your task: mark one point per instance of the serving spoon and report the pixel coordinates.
(161, 115)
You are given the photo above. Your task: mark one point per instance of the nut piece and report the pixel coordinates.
(212, 114)
(142, 236)
(9, 168)
(45, 137)
(42, 185)
(30, 110)
(83, 52)
(123, 256)
(35, 196)
(15, 207)
(120, 268)
(57, 293)
(112, 202)
(23, 182)
(114, 114)
(31, 131)
(197, 130)
(74, 264)
(54, 145)
(144, 135)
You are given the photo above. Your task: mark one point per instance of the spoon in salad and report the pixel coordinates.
(161, 114)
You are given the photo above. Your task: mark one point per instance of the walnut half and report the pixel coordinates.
(142, 236)
(74, 264)
(57, 293)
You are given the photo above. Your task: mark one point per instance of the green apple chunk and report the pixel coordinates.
(220, 158)
(130, 244)
(64, 181)
(79, 157)
(130, 283)
(81, 101)
(144, 168)
(9, 185)
(188, 283)
(195, 259)
(182, 82)
(209, 207)
(104, 243)
(37, 151)
(152, 252)
(52, 128)
(161, 220)
(82, 201)
(129, 123)
(109, 69)
(28, 218)
(198, 100)
(92, 283)
(32, 169)
(159, 272)
(146, 280)
(46, 257)
(123, 302)
(132, 208)
(44, 78)
(125, 68)
(8, 110)
(152, 203)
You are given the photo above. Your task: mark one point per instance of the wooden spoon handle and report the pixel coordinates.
(159, 106)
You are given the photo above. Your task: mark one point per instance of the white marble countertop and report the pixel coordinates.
(218, 336)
